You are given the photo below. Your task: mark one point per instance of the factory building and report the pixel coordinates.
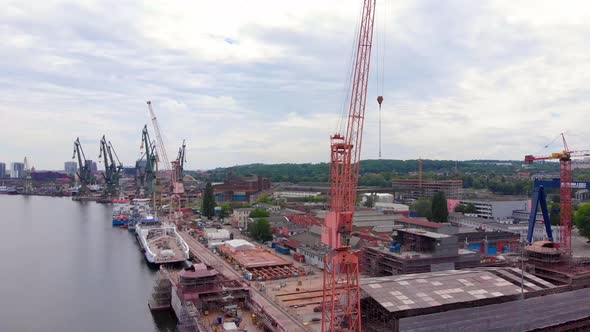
(414, 188)
(454, 300)
(240, 189)
(496, 209)
(416, 251)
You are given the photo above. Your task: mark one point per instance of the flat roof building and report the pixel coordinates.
(387, 300)
(497, 209)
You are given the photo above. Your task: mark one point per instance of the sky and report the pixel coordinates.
(267, 81)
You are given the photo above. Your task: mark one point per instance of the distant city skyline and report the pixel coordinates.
(267, 82)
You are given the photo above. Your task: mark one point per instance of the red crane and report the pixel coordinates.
(341, 308)
(565, 190)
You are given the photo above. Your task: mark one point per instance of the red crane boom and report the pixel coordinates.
(341, 309)
(565, 190)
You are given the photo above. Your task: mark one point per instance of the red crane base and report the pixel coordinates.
(566, 209)
(341, 302)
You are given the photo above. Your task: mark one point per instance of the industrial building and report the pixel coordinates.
(425, 224)
(416, 188)
(239, 218)
(488, 242)
(389, 302)
(240, 189)
(416, 251)
(497, 209)
(508, 225)
(392, 208)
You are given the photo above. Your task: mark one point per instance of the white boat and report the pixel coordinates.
(161, 242)
(4, 190)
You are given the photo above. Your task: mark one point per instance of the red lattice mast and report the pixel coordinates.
(565, 190)
(341, 293)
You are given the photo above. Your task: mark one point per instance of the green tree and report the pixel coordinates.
(423, 207)
(460, 208)
(440, 212)
(263, 199)
(226, 210)
(554, 213)
(260, 230)
(470, 208)
(208, 208)
(369, 201)
(259, 213)
(582, 220)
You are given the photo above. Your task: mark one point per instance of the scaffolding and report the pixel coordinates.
(189, 319)
(161, 292)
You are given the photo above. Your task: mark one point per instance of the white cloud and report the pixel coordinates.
(262, 81)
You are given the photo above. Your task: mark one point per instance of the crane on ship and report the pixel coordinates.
(565, 195)
(341, 309)
(147, 165)
(84, 168)
(112, 167)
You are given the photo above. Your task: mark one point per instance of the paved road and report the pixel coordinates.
(580, 247)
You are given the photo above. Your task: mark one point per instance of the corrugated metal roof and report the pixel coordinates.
(534, 313)
(421, 222)
(423, 290)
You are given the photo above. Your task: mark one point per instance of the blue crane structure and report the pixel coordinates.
(540, 198)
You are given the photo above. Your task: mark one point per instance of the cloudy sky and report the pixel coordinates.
(266, 81)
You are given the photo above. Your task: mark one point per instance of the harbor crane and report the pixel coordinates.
(565, 193)
(177, 184)
(160, 141)
(147, 165)
(341, 308)
(84, 168)
(112, 167)
(28, 184)
(178, 170)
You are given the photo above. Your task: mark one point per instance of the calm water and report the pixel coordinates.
(64, 268)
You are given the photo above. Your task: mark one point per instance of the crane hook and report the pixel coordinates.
(380, 100)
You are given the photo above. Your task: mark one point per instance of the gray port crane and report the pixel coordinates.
(112, 167)
(84, 168)
(178, 170)
(146, 166)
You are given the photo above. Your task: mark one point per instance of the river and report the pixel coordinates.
(64, 268)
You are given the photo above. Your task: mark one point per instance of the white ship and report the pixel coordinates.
(161, 242)
(4, 190)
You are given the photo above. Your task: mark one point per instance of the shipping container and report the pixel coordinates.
(299, 257)
(282, 250)
(492, 250)
(474, 247)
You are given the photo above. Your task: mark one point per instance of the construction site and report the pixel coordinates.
(409, 278)
(412, 276)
